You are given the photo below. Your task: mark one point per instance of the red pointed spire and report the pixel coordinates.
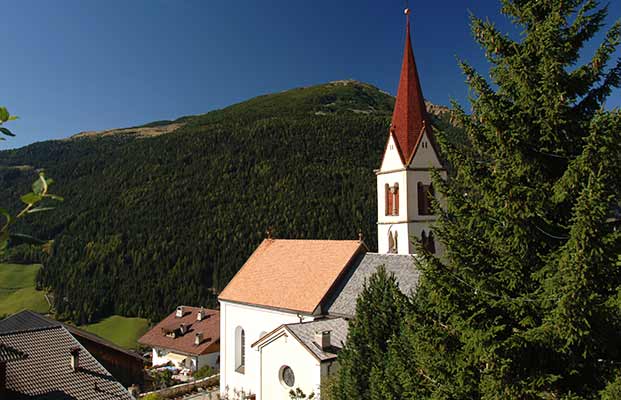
(409, 119)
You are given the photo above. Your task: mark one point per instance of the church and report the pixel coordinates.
(284, 315)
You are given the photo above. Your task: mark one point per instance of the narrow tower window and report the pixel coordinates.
(431, 245)
(428, 242)
(425, 194)
(240, 350)
(396, 246)
(395, 199)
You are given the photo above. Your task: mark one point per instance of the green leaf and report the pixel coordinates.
(40, 209)
(55, 197)
(4, 114)
(31, 198)
(6, 131)
(19, 238)
(37, 186)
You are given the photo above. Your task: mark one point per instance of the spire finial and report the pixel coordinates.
(268, 232)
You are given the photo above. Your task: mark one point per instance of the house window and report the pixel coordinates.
(392, 199)
(286, 375)
(425, 194)
(428, 242)
(240, 350)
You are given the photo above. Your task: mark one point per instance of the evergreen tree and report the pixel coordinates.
(379, 308)
(527, 303)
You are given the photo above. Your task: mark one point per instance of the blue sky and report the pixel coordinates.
(80, 65)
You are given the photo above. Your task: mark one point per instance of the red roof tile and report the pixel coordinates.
(209, 327)
(409, 119)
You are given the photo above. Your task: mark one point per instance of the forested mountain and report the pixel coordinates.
(153, 222)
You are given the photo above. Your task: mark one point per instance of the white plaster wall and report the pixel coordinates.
(286, 350)
(156, 359)
(391, 160)
(254, 321)
(425, 156)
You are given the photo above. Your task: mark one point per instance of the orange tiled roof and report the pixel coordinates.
(291, 274)
(209, 327)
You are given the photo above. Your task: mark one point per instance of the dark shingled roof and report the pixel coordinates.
(305, 332)
(30, 321)
(26, 321)
(37, 354)
(342, 301)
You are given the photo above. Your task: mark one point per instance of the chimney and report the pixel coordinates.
(2, 376)
(74, 358)
(198, 338)
(179, 313)
(322, 339)
(201, 314)
(183, 329)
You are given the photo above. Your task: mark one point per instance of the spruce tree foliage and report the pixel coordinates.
(527, 303)
(379, 309)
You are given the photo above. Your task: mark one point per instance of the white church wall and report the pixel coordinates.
(425, 156)
(392, 159)
(255, 321)
(286, 351)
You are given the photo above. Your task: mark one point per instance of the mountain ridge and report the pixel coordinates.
(161, 127)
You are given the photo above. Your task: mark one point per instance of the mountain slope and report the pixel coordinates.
(152, 223)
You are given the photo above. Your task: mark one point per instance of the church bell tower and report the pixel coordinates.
(404, 184)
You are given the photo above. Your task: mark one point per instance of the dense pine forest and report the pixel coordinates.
(150, 223)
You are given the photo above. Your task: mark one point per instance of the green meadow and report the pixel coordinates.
(122, 331)
(17, 289)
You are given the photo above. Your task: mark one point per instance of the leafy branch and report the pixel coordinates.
(32, 201)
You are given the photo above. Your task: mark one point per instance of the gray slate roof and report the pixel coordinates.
(305, 332)
(342, 302)
(26, 321)
(42, 369)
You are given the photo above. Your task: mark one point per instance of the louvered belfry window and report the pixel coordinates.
(425, 194)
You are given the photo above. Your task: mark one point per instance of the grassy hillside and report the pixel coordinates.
(119, 330)
(154, 222)
(17, 289)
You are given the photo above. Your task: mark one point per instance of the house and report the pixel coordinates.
(285, 313)
(40, 359)
(187, 338)
(125, 365)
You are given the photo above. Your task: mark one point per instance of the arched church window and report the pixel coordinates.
(391, 242)
(425, 194)
(240, 350)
